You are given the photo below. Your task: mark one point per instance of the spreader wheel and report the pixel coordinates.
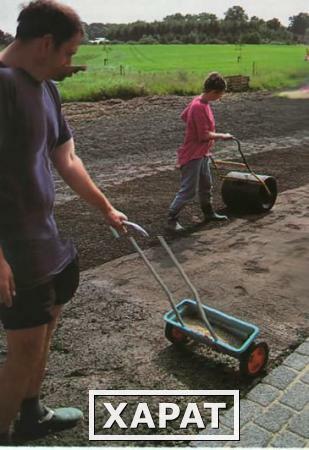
(254, 360)
(175, 335)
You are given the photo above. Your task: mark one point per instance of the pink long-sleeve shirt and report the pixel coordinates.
(199, 120)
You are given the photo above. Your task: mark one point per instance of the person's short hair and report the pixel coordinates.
(42, 17)
(214, 82)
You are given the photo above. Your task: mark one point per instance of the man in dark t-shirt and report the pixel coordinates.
(38, 270)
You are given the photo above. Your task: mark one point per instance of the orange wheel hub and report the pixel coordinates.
(256, 360)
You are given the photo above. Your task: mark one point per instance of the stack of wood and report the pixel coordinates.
(237, 83)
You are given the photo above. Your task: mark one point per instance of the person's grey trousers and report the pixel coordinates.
(195, 179)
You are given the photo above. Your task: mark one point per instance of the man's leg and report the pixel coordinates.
(37, 419)
(25, 350)
(64, 287)
(34, 387)
(205, 192)
(188, 187)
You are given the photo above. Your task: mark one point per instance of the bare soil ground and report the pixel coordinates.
(254, 266)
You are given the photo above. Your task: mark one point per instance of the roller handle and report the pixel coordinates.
(250, 170)
(242, 154)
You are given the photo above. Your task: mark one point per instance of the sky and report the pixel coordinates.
(125, 11)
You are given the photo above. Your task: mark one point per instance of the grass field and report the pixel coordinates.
(132, 70)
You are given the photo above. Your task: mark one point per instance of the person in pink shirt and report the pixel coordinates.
(194, 154)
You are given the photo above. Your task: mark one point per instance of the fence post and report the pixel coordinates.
(253, 68)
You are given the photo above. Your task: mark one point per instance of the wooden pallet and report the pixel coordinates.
(237, 83)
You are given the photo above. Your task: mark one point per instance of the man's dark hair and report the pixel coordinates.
(214, 82)
(42, 17)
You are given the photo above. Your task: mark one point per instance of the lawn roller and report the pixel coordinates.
(190, 320)
(246, 191)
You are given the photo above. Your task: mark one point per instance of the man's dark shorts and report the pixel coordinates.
(32, 307)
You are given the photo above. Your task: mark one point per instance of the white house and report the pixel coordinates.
(99, 40)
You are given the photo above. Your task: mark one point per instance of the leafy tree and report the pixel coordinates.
(95, 30)
(274, 24)
(235, 23)
(203, 28)
(236, 14)
(5, 38)
(148, 40)
(251, 38)
(173, 17)
(299, 24)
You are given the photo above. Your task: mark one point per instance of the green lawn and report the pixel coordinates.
(180, 69)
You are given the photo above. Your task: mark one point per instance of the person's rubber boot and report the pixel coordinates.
(211, 214)
(52, 421)
(174, 226)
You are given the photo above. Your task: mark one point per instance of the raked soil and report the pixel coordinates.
(111, 336)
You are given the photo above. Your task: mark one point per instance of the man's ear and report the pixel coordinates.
(46, 44)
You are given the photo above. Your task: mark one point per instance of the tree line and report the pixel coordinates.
(203, 28)
(5, 38)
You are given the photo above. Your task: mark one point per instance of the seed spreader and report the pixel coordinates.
(189, 319)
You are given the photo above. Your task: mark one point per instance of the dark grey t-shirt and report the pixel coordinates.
(31, 127)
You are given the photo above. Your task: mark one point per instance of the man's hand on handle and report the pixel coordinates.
(115, 219)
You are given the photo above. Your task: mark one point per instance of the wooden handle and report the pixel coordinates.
(221, 163)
